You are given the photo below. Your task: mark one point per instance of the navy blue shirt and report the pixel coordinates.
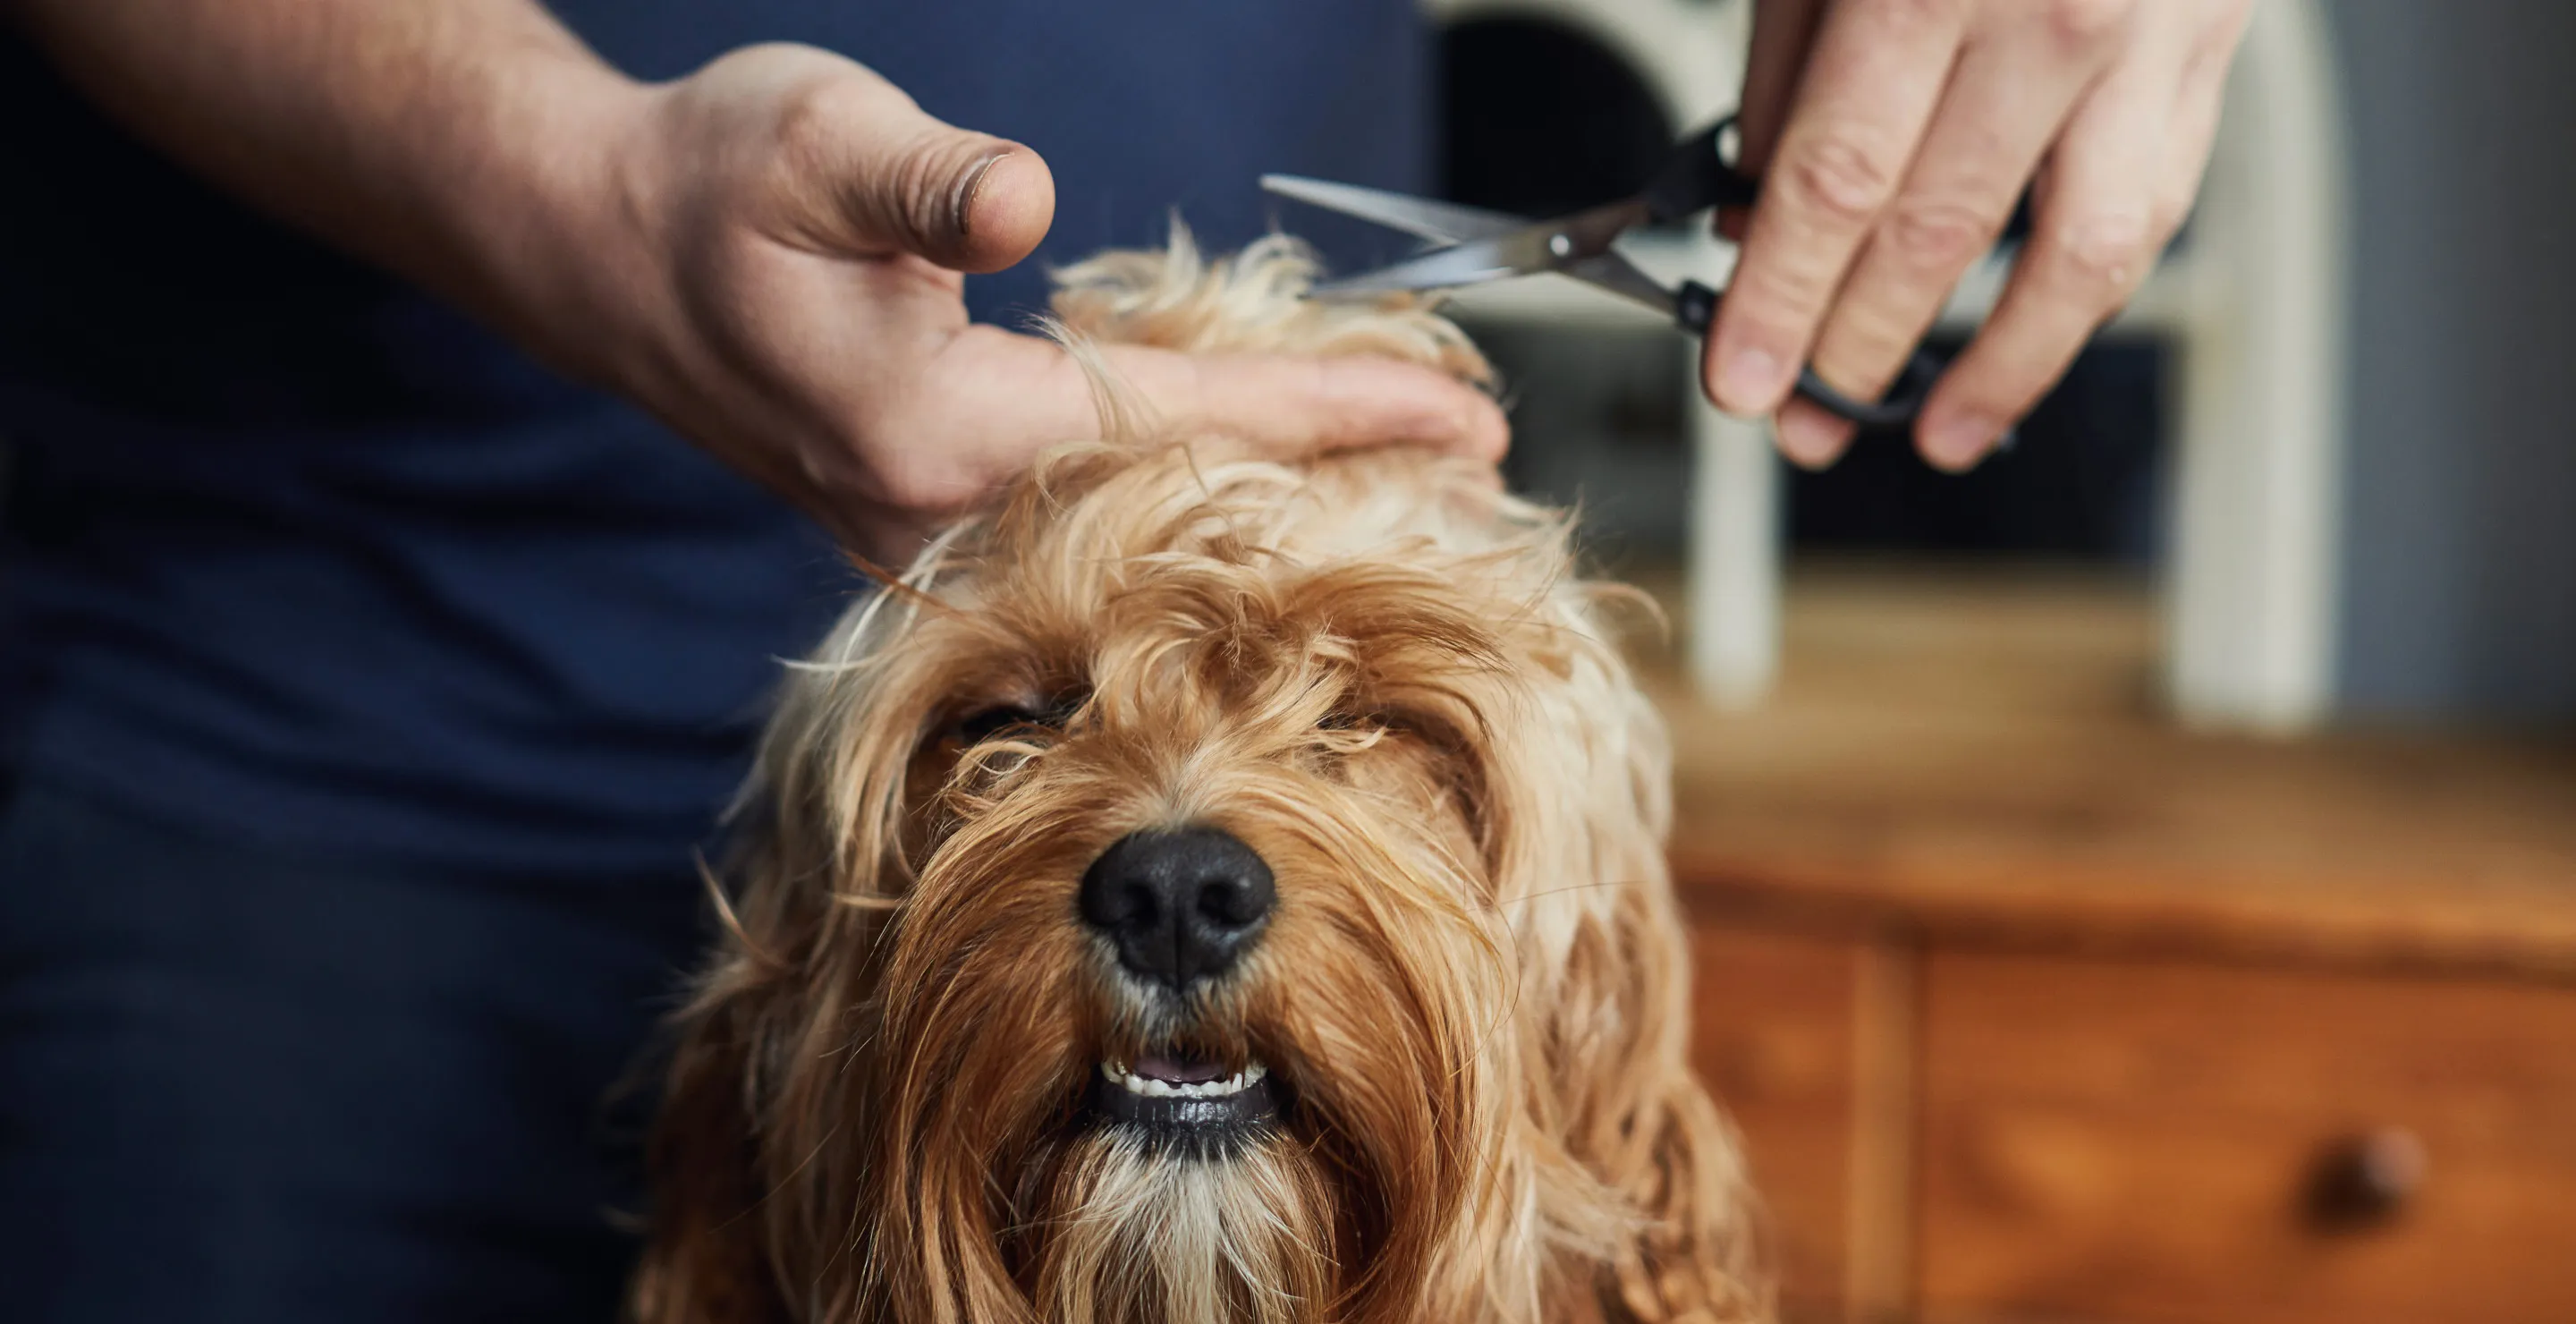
(292, 553)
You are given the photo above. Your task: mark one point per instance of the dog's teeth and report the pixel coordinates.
(1118, 1074)
(1145, 1085)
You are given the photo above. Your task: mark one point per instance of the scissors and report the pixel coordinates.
(1473, 246)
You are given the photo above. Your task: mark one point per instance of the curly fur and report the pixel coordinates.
(1378, 671)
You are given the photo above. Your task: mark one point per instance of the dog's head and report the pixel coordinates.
(1207, 889)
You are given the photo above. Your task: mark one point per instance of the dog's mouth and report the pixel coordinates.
(1195, 1104)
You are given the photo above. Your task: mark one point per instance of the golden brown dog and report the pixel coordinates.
(1203, 890)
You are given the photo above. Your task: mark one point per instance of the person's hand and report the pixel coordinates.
(1894, 138)
(790, 298)
(766, 254)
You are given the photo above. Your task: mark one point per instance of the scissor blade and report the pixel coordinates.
(1547, 246)
(1443, 222)
(1465, 264)
(1615, 273)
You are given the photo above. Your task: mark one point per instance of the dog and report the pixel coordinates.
(1208, 889)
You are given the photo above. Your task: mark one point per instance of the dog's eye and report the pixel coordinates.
(1344, 720)
(984, 724)
(977, 727)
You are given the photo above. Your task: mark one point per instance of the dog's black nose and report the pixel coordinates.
(1180, 905)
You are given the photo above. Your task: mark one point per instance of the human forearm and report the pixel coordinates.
(459, 144)
(766, 254)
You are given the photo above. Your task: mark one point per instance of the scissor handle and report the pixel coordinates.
(1697, 177)
(1695, 307)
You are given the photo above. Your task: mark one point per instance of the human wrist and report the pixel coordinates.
(559, 219)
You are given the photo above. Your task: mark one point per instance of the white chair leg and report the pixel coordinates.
(1733, 573)
(2252, 572)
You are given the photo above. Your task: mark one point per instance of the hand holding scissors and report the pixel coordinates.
(1476, 246)
(1897, 139)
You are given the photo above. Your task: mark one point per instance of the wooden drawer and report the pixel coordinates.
(1773, 1033)
(2142, 1141)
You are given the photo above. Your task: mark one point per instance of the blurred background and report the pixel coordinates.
(2135, 881)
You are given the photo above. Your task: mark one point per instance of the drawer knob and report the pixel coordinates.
(2365, 1180)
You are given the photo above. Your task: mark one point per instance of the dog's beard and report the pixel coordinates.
(1134, 1232)
(1028, 1130)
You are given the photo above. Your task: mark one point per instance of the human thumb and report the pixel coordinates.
(905, 180)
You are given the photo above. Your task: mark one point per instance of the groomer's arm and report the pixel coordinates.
(766, 253)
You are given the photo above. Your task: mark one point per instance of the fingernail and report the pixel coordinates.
(970, 185)
(1960, 440)
(1750, 381)
(1809, 438)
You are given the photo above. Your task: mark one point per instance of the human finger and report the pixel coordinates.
(1002, 398)
(1868, 92)
(2012, 94)
(868, 172)
(1292, 406)
(2093, 240)
(2194, 126)
(1775, 54)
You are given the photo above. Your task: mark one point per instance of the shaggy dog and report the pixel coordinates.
(1206, 889)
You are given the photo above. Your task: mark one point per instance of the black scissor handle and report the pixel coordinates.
(1695, 307)
(1696, 177)
(1899, 407)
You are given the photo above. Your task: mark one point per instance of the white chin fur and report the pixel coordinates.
(1117, 1074)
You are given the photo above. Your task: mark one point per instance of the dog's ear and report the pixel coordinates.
(1693, 1261)
(706, 1260)
(1635, 1116)
(1645, 1125)
(827, 811)
(1606, 969)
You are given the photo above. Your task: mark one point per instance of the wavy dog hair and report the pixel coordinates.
(1379, 672)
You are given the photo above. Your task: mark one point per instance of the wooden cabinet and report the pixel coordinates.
(2032, 1008)
(1956, 1136)
(2162, 1141)
(1773, 1035)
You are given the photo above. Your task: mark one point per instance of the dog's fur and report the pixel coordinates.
(1378, 671)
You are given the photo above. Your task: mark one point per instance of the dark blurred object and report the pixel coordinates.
(2082, 482)
(1540, 119)
(2366, 1181)
(1597, 420)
